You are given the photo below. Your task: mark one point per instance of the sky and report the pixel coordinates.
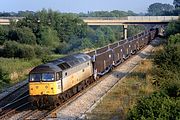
(77, 6)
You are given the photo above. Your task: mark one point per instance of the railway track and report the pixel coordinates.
(14, 95)
(14, 107)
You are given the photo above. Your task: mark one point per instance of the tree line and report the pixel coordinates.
(47, 31)
(160, 9)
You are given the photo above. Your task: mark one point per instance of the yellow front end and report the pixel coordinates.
(44, 88)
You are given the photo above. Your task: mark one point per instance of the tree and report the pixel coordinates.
(3, 34)
(159, 8)
(86, 43)
(48, 37)
(100, 38)
(108, 34)
(176, 3)
(22, 35)
(173, 28)
(26, 36)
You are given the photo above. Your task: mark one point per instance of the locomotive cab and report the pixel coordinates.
(49, 83)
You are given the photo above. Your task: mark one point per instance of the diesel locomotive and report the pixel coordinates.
(53, 83)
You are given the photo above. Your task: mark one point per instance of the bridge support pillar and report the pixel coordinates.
(125, 34)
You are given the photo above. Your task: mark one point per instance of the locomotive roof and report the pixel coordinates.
(62, 63)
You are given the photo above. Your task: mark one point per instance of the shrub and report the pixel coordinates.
(174, 39)
(41, 51)
(4, 75)
(168, 58)
(173, 28)
(156, 106)
(16, 50)
(26, 51)
(11, 49)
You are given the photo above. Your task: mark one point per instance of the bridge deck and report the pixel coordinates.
(129, 20)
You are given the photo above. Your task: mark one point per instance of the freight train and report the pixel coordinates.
(53, 83)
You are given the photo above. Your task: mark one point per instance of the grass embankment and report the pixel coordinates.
(121, 98)
(13, 70)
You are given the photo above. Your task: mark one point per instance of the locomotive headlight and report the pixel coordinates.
(31, 88)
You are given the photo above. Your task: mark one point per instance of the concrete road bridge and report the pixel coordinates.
(129, 20)
(125, 21)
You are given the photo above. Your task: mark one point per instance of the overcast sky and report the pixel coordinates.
(77, 6)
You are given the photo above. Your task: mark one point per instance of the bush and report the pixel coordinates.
(4, 75)
(11, 49)
(26, 51)
(157, 106)
(174, 39)
(173, 28)
(41, 51)
(173, 89)
(16, 50)
(168, 58)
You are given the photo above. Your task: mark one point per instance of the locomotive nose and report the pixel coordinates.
(42, 88)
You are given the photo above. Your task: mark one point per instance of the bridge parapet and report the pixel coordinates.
(153, 18)
(165, 18)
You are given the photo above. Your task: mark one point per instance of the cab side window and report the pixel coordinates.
(58, 75)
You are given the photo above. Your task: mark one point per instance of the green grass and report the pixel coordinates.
(17, 65)
(124, 96)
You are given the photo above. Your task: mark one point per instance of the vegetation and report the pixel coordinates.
(159, 9)
(42, 34)
(165, 102)
(176, 3)
(13, 70)
(62, 32)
